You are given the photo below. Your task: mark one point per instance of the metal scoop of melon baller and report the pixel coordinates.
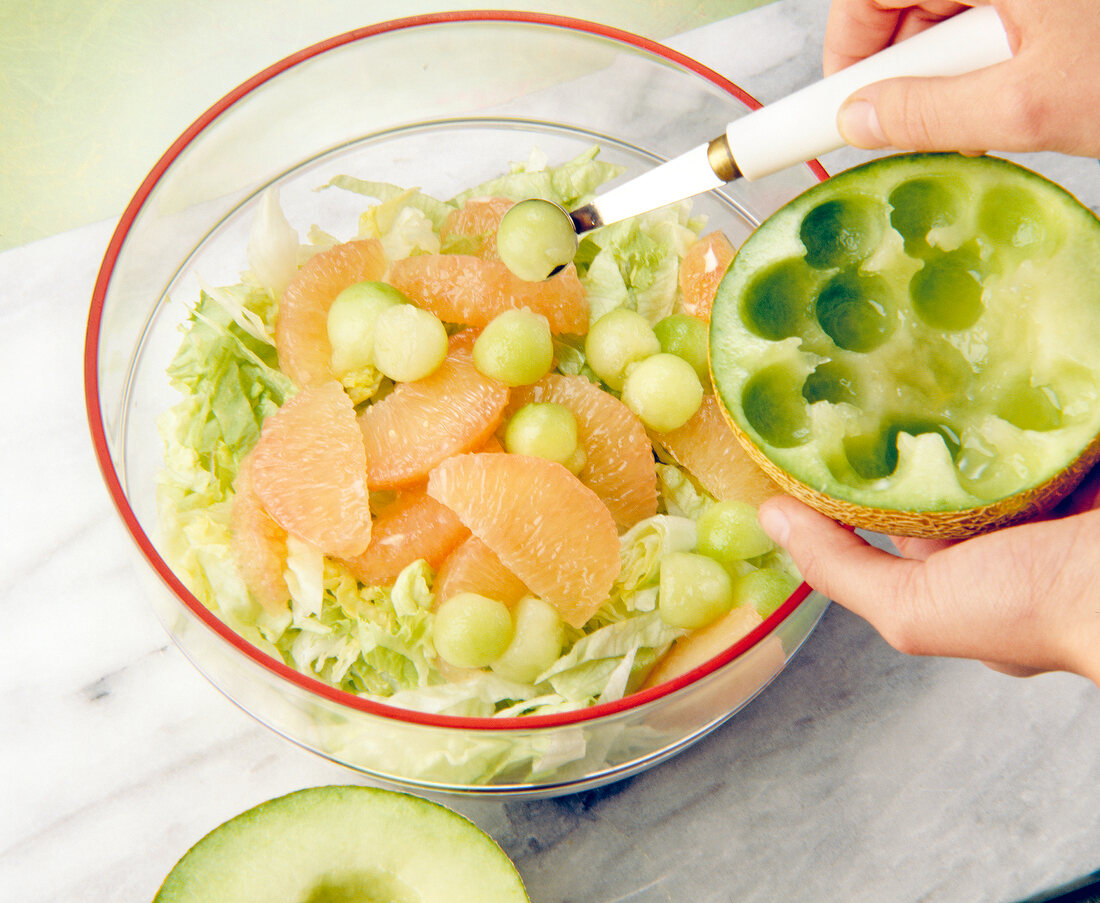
(801, 126)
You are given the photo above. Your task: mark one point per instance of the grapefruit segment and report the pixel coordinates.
(478, 220)
(706, 447)
(461, 288)
(547, 527)
(414, 526)
(700, 646)
(619, 464)
(310, 471)
(492, 444)
(472, 567)
(702, 268)
(454, 409)
(258, 543)
(301, 327)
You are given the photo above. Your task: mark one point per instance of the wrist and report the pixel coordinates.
(1085, 632)
(1090, 658)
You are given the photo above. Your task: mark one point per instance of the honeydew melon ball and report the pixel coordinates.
(409, 342)
(663, 390)
(694, 590)
(515, 347)
(686, 336)
(351, 321)
(764, 589)
(729, 531)
(535, 238)
(537, 639)
(616, 340)
(471, 630)
(546, 430)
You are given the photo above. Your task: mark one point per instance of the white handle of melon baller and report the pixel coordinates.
(802, 126)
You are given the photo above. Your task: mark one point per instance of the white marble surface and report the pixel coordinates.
(860, 775)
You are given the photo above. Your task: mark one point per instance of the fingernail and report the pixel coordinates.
(775, 524)
(858, 124)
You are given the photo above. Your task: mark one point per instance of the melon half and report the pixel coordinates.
(913, 346)
(338, 844)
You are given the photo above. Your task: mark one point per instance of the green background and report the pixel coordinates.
(93, 91)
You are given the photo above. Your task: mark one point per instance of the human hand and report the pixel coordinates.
(1024, 599)
(1047, 97)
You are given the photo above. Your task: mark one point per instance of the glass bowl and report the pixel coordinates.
(442, 102)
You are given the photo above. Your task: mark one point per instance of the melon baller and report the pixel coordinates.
(801, 126)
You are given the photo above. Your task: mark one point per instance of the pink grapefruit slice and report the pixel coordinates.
(702, 268)
(474, 568)
(461, 288)
(454, 409)
(700, 646)
(478, 220)
(258, 543)
(301, 324)
(310, 471)
(707, 449)
(544, 524)
(414, 526)
(619, 465)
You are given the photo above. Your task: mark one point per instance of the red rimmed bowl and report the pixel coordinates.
(441, 102)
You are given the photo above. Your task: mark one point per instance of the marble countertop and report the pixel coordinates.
(859, 775)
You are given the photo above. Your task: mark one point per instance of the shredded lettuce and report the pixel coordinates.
(379, 219)
(240, 302)
(605, 286)
(272, 246)
(405, 223)
(570, 184)
(362, 384)
(583, 674)
(679, 492)
(636, 263)
(305, 578)
(570, 358)
(226, 371)
(230, 382)
(647, 542)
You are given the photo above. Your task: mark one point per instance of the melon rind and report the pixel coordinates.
(938, 524)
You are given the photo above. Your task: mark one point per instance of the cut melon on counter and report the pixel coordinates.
(338, 844)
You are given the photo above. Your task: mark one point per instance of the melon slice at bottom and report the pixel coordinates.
(345, 843)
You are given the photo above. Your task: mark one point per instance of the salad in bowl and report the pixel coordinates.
(400, 469)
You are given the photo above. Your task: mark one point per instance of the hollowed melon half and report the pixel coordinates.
(913, 346)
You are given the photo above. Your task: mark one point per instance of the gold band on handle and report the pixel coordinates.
(720, 158)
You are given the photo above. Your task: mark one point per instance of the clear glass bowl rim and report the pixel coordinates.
(114, 485)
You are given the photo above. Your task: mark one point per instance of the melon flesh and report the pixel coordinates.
(345, 843)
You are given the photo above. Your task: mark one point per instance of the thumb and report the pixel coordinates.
(835, 561)
(946, 113)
